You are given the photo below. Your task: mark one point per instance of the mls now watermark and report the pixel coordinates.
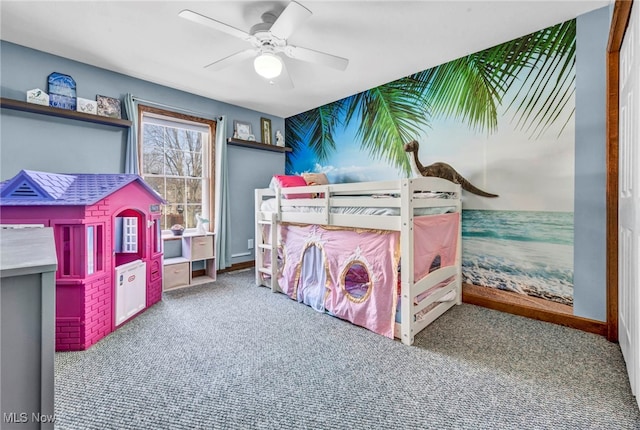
(24, 417)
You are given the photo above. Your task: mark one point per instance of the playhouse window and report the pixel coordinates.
(129, 235)
(95, 252)
(177, 162)
(130, 240)
(91, 257)
(157, 236)
(126, 234)
(70, 243)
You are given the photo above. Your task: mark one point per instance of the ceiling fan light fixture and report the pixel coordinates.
(268, 65)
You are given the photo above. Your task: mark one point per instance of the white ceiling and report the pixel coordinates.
(383, 40)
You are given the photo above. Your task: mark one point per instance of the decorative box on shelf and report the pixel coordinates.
(87, 106)
(38, 97)
(109, 106)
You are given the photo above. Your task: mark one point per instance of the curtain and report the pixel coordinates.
(131, 164)
(223, 213)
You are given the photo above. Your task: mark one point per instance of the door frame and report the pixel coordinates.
(619, 22)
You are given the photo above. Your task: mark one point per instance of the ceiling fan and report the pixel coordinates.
(269, 40)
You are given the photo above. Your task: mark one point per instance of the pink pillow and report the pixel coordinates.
(286, 181)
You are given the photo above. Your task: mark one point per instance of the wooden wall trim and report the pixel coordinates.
(239, 266)
(612, 195)
(619, 22)
(511, 303)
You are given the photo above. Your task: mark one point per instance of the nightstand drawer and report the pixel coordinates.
(201, 247)
(175, 275)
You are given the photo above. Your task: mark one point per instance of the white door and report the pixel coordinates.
(629, 202)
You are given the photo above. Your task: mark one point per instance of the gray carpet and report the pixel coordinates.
(231, 355)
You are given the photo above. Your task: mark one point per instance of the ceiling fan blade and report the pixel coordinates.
(290, 19)
(306, 54)
(231, 59)
(217, 25)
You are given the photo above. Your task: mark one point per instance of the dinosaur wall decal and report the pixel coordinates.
(440, 170)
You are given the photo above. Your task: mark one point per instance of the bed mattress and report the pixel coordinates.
(269, 205)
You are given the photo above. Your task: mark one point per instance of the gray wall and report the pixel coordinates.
(39, 142)
(589, 244)
(254, 172)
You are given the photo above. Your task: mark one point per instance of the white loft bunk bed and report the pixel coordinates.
(398, 207)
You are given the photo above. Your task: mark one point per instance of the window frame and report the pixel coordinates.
(208, 160)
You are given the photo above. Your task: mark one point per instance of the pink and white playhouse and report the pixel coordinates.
(108, 244)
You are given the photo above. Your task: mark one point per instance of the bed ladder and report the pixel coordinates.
(267, 244)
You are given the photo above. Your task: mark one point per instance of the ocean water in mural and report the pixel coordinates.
(527, 252)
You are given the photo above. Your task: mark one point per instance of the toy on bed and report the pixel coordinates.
(440, 170)
(337, 248)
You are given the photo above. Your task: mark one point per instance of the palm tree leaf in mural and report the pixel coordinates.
(471, 89)
(295, 130)
(550, 83)
(315, 127)
(467, 89)
(389, 116)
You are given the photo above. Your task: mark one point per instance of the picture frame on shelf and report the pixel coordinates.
(109, 106)
(62, 85)
(265, 130)
(62, 91)
(242, 130)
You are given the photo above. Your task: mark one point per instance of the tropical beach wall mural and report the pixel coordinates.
(504, 119)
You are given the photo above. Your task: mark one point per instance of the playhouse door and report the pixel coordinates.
(131, 284)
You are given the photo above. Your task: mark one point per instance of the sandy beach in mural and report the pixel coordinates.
(526, 252)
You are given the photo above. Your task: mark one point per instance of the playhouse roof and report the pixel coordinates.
(32, 188)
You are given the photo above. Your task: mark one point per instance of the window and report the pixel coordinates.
(126, 235)
(177, 161)
(157, 236)
(70, 242)
(130, 235)
(95, 253)
(90, 251)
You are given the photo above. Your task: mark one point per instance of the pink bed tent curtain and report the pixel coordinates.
(315, 258)
(441, 232)
(312, 284)
(354, 274)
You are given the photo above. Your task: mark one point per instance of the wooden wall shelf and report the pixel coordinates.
(62, 113)
(258, 145)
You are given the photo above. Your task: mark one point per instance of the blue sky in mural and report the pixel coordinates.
(528, 174)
